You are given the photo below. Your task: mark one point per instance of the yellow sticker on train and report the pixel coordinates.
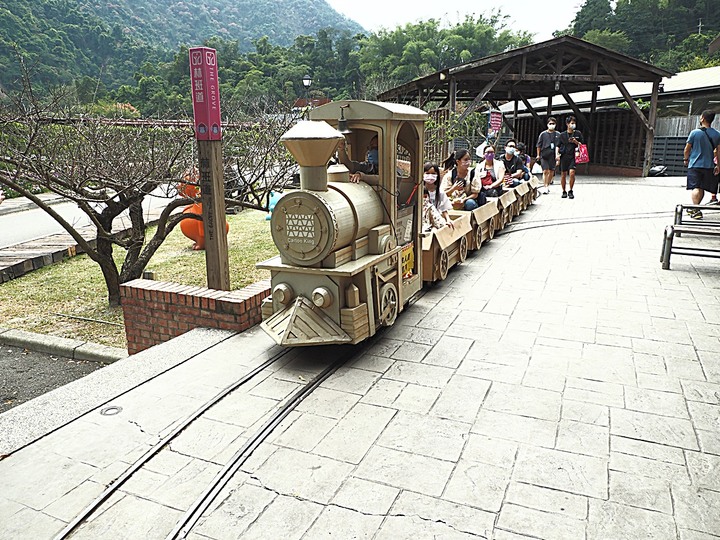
(408, 258)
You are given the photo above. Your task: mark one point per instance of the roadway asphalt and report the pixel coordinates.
(33, 364)
(27, 374)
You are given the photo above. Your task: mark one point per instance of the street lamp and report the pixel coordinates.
(307, 81)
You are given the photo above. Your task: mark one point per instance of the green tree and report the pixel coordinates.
(616, 41)
(692, 51)
(592, 15)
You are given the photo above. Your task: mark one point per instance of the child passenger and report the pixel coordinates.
(436, 204)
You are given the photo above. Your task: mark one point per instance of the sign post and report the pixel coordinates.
(206, 113)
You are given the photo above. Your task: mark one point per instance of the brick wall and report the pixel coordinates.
(157, 311)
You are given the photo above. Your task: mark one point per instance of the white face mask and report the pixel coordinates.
(572, 126)
(510, 150)
(551, 127)
(429, 178)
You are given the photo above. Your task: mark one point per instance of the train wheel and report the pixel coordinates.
(444, 264)
(463, 248)
(491, 229)
(478, 236)
(388, 304)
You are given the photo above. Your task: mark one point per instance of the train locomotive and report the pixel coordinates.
(349, 253)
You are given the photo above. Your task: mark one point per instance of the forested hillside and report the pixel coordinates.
(58, 41)
(673, 34)
(134, 52)
(171, 22)
(63, 40)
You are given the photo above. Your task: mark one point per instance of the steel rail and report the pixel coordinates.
(147, 456)
(206, 498)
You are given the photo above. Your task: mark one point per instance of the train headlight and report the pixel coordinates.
(322, 297)
(283, 293)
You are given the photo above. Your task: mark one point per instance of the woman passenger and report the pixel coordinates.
(492, 187)
(436, 197)
(460, 183)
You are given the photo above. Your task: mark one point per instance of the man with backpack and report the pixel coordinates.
(701, 147)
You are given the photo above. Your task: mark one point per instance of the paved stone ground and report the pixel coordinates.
(559, 384)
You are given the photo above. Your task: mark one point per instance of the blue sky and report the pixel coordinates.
(529, 15)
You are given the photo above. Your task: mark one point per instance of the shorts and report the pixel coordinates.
(567, 162)
(702, 179)
(547, 164)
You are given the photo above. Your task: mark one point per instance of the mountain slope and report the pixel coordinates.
(63, 40)
(172, 22)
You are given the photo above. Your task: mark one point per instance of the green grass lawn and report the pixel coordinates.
(41, 301)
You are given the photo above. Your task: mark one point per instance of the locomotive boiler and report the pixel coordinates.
(349, 253)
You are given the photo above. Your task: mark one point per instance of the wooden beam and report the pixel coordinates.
(628, 98)
(650, 136)
(530, 108)
(452, 94)
(533, 77)
(578, 113)
(473, 105)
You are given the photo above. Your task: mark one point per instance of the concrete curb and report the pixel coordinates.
(10, 206)
(67, 348)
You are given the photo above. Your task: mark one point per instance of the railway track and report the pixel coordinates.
(325, 361)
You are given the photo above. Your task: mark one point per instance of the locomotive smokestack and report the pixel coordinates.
(312, 143)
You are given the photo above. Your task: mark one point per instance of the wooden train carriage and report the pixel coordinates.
(534, 184)
(521, 193)
(445, 247)
(505, 207)
(350, 254)
(482, 221)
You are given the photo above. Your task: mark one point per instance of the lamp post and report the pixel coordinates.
(307, 81)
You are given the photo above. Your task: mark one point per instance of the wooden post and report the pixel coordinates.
(212, 188)
(650, 135)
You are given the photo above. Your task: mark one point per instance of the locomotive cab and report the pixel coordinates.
(350, 254)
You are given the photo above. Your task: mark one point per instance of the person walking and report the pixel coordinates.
(568, 142)
(546, 149)
(701, 146)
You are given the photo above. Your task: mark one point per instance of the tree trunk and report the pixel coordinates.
(112, 280)
(131, 270)
(104, 250)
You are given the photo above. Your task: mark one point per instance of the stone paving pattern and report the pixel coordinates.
(558, 385)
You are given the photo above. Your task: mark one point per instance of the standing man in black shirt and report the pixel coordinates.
(568, 142)
(546, 150)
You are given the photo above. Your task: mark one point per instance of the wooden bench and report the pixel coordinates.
(686, 225)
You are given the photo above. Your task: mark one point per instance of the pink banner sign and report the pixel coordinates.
(205, 87)
(495, 120)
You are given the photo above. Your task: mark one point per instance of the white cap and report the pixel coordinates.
(480, 150)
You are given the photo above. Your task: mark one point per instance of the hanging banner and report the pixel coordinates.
(494, 123)
(205, 88)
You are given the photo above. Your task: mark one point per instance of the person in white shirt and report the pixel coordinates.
(436, 197)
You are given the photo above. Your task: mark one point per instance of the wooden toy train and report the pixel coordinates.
(353, 254)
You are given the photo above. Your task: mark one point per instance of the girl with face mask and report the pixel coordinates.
(436, 199)
(460, 183)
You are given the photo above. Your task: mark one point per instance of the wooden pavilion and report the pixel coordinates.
(563, 65)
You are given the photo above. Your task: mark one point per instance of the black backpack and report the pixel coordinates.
(454, 175)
